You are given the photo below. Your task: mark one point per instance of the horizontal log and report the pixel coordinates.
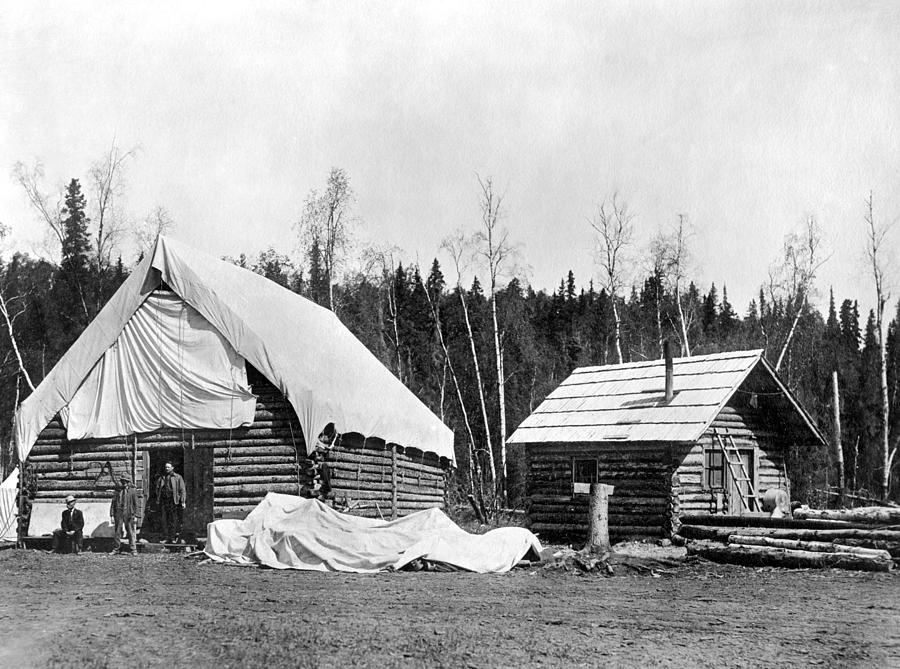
(614, 519)
(105, 483)
(763, 521)
(65, 456)
(80, 494)
(763, 556)
(261, 479)
(870, 515)
(872, 536)
(262, 461)
(338, 484)
(242, 450)
(349, 471)
(617, 531)
(269, 469)
(254, 489)
(384, 494)
(796, 544)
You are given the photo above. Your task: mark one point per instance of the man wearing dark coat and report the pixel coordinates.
(123, 513)
(171, 498)
(69, 535)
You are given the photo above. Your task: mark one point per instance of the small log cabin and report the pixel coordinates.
(225, 374)
(703, 434)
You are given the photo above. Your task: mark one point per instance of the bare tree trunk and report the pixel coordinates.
(12, 338)
(838, 446)
(618, 330)
(876, 238)
(686, 352)
(484, 416)
(790, 335)
(501, 394)
(474, 470)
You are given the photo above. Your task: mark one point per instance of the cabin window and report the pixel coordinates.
(713, 469)
(584, 472)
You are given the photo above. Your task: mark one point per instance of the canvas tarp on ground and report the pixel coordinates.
(320, 367)
(287, 532)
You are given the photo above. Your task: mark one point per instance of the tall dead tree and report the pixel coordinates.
(613, 225)
(493, 245)
(875, 238)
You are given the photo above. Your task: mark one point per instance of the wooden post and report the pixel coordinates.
(598, 533)
(393, 481)
(134, 460)
(838, 448)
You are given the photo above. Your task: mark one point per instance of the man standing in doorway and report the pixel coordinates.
(123, 512)
(171, 498)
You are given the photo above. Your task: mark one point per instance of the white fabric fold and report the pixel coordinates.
(287, 532)
(168, 368)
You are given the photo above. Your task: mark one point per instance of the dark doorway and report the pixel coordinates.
(195, 467)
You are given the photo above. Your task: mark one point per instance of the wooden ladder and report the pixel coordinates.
(739, 473)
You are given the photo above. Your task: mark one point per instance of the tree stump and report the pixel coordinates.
(598, 532)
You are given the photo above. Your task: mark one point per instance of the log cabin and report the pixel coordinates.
(706, 434)
(232, 378)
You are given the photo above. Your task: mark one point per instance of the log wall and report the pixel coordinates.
(750, 429)
(267, 456)
(639, 507)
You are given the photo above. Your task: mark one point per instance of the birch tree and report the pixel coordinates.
(875, 239)
(493, 246)
(107, 184)
(457, 247)
(327, 219)
(801, 261)
(613, 225)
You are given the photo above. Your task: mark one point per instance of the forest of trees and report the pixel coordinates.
(483, 356)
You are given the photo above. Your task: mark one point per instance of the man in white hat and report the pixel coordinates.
(69, 535)
(123, 512)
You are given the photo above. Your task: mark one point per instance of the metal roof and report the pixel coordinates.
(627, 402)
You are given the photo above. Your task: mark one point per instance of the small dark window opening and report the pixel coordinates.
(713, 469)
(584, 472)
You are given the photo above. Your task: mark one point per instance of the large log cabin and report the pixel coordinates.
(232, 378)
(706, 434)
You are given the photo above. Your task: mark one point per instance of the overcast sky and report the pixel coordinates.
(746, 117)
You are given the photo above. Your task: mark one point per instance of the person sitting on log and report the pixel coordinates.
(123, 513)
(69, 537)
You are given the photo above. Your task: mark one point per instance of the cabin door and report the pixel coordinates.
(738, 489)
(195, 467)
(198, 482)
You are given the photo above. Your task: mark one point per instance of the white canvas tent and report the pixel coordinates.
(187, 356)
(8, 506)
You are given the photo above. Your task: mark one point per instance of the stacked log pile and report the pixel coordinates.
(639, 507)
(370, 478)
(794, 542)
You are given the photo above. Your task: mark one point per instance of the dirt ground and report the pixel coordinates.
(167, 610)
